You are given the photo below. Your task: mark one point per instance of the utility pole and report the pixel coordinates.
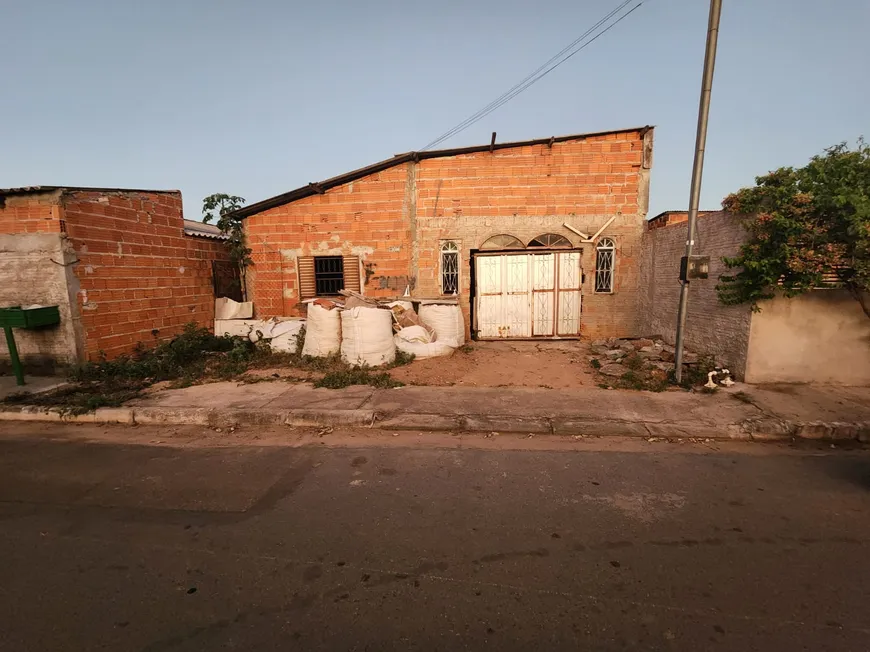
(697, 172)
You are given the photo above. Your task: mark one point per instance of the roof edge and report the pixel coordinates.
(26, 190)
(665, 214)
(322, 186)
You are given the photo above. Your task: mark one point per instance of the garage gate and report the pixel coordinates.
(527, 295)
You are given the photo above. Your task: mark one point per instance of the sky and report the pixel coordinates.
(259, 97)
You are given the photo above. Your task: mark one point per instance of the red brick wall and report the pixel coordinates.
(31, 213)
(137, 271)
(366, 218)
(396, 218)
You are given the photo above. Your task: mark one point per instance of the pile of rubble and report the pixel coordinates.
(612, 353)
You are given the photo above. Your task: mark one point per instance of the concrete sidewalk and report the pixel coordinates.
(743, 412)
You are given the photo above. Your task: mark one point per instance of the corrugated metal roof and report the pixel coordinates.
(323, 186)
(202, 230)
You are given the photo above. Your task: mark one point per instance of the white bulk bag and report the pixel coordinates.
(322, 332)
(422, 350)
(268, 329)
(367, 336)
(447, 322)
(414, 334)
(284, 336)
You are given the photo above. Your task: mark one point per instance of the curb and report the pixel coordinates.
(763, 429)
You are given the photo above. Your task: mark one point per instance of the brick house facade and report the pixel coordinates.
(395, 218)
(118, 263)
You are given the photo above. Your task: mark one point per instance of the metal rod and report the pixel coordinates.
(697, 172)
(13, 355)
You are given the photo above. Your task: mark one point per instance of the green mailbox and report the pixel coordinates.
(18, 317)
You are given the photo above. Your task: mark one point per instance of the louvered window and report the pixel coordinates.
(324, 276)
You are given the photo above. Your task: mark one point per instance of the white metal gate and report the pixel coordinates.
(523, 295)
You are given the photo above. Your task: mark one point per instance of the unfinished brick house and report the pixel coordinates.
(122, 265)
(536, 239)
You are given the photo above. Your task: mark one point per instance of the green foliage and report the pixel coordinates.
(595, 363)
(222, 207)
(186, 354)
(300, 341)
(803, 224)
(357, 376)
(696, 373)
(402, 359)
(82, 398)
(634, 362)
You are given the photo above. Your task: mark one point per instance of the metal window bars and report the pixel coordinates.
(604, 255)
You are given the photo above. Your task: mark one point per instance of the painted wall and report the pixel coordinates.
(395, 219)
(710, 326)
(819, 337)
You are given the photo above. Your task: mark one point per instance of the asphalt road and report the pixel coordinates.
(361, 546)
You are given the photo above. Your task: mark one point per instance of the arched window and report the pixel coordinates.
(503, 241)
(551, 241)
(604, 263)
(449, 267)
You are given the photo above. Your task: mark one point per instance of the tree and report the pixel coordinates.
(222, 207)
(807, 228)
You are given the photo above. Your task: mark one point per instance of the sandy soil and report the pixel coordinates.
(556, 365)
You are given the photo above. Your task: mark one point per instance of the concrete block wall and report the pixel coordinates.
(139, 278)
(35, 268)
(710, 326)
(396, 218)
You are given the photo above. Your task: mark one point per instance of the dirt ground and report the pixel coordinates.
(549, 364)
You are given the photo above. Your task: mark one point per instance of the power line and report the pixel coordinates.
(555, 57)
(537, 75)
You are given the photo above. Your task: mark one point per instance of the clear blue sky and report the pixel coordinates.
(258, 97)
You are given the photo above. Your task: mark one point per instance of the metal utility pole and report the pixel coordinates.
(697, 172)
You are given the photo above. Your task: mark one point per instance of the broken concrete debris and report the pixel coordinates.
(614, 369)
(615, 349)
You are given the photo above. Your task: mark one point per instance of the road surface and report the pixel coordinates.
(151, 540)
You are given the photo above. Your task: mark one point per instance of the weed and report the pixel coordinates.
(357, 376)
(604, 386)
(82, 398)
(595, 363)
(743, 397)
(465, 348)
(402, 359)
(709, 390)
(632, 380)
(634, 362)
(300, 341)
(253, 380)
